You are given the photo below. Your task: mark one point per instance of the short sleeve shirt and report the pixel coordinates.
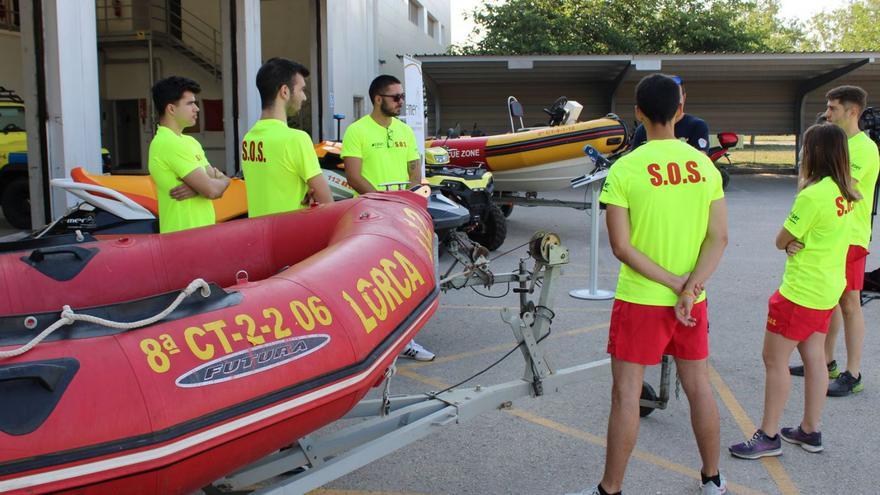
(385, 152)
(864, 166)
(693, 130)
(277, 162)
(815, 277)
(171, 158)
(668, 188)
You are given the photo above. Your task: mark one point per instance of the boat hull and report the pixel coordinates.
(543, 159)
(225, 379)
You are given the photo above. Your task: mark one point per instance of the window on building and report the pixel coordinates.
(415, 13)
(433, 28)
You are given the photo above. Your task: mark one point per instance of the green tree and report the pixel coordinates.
(645, 26)
(853, 27)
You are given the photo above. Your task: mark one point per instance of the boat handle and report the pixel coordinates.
(38, 255)
(47, 375)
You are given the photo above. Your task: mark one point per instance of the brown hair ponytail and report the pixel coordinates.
(825, 154)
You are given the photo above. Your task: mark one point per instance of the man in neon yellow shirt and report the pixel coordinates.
(380, 149)
(667, 223)
(280, 166)
(185, 181)
(844, 107)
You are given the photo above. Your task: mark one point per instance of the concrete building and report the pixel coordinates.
(219, 43)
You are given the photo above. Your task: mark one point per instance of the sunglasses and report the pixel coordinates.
(389, 139)
(677, 79)
(397, 98)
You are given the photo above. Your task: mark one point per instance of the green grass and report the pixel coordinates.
(767, 152)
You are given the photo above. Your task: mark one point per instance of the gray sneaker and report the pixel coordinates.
(811, 442)
(760, 445)
(709, 488)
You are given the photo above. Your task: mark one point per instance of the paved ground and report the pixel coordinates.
(554, 444)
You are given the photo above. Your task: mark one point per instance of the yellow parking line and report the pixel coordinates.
(771, 464)
(497, 348)
(324, 491)
(437, 384)
(637, 454)
(588, 437)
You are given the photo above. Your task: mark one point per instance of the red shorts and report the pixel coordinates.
(793, 321)
(855, 267)
(643, 334)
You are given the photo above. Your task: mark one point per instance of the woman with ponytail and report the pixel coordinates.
(815, 237)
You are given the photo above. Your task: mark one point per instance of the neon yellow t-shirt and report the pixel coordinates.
(864, 166)
(668, 187)
(816, 276)
(172, 157)
(277, 162)
(385, 152)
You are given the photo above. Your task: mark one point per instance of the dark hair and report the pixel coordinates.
(379, 85)
(170, 90)
(658, 97)
(849, 94)
(274, 73)
(826, 154)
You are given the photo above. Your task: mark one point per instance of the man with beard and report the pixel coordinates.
(380, 149)
(279, 163)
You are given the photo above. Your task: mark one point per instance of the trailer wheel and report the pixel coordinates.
(725, 177)
(647, 394)
(16, 203)
(492, 229)
(507, 209)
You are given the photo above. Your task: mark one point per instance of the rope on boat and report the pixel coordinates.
(68, 317)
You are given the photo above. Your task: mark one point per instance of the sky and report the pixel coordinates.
(801, 9)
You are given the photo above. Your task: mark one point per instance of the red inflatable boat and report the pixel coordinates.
(306, 312)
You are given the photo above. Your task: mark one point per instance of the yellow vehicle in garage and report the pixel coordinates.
(14, 185)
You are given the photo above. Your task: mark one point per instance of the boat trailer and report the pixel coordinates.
(392, 422)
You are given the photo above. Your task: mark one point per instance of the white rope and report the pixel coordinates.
(68, 317)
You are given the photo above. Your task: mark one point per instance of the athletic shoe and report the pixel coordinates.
(593, 491)
(709, 488)
(811, 442)
(872, 281)
(414, 351)
(760, 445)
(833, 371)
(845, 384)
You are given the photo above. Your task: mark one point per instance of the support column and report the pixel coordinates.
(242, 57)
(60, 55)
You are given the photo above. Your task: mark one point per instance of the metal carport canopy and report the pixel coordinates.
(761, 93)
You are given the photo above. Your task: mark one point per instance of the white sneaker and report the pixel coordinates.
(709, 488)
(414, 351)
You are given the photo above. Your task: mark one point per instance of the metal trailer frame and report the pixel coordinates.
(393, 422)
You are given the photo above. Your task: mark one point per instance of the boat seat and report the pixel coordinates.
(138, 188)
(142, 190)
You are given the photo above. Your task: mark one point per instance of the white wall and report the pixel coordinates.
(351, 58)
(365, 38)
(397, 35)
(10, 53)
